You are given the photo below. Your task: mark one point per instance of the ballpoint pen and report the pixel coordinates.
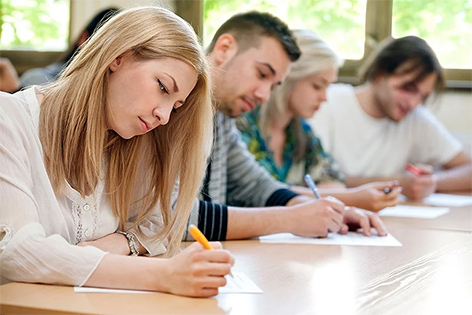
(309, 181)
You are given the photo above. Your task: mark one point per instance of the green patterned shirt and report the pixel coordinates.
(319, 164)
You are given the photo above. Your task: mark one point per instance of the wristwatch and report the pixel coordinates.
(132, 243)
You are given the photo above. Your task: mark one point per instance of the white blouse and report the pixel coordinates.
(39, 229)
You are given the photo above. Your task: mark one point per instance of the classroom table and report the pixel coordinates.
(430, 274)
(457, 219)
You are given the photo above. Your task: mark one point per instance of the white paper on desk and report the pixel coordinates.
(351, 238)
(413, 212)
(448, 200)
(238, 283)
(102, 290)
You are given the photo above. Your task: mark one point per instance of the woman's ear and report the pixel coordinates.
(225, 49)
(116, 63)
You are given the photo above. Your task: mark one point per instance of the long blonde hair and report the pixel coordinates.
(77, 144)
(316, 56)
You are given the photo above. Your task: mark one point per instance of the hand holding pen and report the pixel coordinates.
(200, 238)
(351, 216)
(197, 271)
(311, 184)
(419, 181)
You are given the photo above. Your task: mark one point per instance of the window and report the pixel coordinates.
(353, 27)
(341, 23)
(34, 25)
(445, 25)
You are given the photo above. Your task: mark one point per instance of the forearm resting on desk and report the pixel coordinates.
(114, 243)
(302, 216)
(193, 272)
(368, 196)
(458, 178)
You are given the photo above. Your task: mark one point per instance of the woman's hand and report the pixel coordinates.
(373, 196)
(197, 272)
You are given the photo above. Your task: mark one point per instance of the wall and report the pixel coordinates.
(454, 110)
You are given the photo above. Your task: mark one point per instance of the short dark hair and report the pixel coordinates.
(247, 28)
(97, 21)
(411, 51)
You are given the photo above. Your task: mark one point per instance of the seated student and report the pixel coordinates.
(251, 53)
(281, 140)
(9, 81)
(96, 154)
(374, 130)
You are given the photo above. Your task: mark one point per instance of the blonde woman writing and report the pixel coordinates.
(98, 152)
(283, 142)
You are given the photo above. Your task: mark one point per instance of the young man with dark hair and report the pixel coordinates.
(376, 129)
(251, 53)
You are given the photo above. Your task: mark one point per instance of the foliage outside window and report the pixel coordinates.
(341, 23)
(34, 24)
(445, 25)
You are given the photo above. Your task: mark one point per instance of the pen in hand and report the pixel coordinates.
(414, 170)
(199, 237)
(388, 190)
(309, 181)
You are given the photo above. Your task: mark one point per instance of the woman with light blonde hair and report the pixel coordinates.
(282, 141)
(95, 155)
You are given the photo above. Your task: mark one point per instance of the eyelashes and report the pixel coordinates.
(162, 87)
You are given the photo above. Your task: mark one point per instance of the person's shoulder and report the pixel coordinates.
(15, 114)
(38, 76)
(247, 122)
(340, 94)
(343, 88)
(13, 102)
(421, 114)
(305, 126)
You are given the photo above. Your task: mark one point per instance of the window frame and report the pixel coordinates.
(378, 12)
(378, 26)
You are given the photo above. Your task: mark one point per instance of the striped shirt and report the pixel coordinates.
(233, 178)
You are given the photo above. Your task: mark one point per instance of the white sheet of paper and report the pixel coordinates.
(413, 212)
(239, 283)
(102, 290)
(447, 200)
(351, 238)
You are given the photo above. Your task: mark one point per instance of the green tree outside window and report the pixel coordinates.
(445, 25)
(341, 23)
(34, 24)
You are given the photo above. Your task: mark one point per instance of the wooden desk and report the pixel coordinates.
(457, 219)
(430, 273)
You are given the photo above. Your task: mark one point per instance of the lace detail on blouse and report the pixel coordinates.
(80, 206)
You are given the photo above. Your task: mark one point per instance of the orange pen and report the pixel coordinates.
(199, 237)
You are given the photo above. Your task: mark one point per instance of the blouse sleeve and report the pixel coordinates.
(28, 251)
